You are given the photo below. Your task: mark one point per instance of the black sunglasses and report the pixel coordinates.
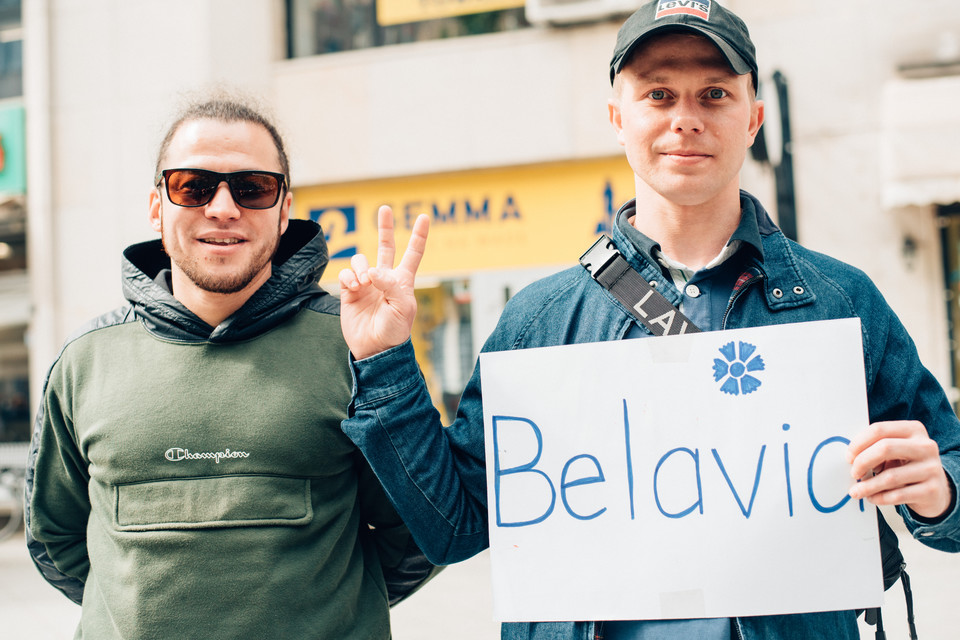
(196, 187)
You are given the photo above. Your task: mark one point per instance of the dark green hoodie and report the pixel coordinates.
(193, 482)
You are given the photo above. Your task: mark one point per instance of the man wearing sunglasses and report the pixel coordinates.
(188, 477)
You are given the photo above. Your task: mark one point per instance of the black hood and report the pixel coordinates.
(297, 266)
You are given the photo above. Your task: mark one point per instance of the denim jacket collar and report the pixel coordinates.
(747, 231)
(772, 257)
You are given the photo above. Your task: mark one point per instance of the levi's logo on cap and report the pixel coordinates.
(698, 8)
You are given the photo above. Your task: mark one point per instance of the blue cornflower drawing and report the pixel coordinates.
(735, 368)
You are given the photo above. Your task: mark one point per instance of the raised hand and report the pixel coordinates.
(897, 463)
(377, 304)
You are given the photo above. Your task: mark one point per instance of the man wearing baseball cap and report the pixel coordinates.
(684, 108)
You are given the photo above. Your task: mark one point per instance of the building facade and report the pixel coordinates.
(493, 122)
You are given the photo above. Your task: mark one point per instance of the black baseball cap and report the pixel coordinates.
(705, 17)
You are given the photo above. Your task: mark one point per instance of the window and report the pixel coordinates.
(329, 26)
(14, 404)
(443, 339)
(14, 309)
(13, 236)
(14, 296)
(11, 50)
(949, 218)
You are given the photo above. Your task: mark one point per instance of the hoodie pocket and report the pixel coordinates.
(212, 502)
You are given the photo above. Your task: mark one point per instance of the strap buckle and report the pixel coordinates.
(599, 256)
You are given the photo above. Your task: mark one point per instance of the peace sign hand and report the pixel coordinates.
(377, 304)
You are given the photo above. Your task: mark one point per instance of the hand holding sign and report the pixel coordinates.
(377, 303)
(906, 468)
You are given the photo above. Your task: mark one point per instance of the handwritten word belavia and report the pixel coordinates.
(585, 469)
(176, 454)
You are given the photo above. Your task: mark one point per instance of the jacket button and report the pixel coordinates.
(798, 290)
(692, 290)
(777, 293)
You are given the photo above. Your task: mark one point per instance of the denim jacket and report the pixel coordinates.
(435, 475)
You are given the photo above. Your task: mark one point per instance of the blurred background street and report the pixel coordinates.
(457, 605)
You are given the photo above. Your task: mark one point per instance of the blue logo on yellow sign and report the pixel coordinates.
(605, 225)
(339, 226)
(734, 369)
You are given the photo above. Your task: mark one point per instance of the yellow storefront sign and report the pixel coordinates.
(401, 11)
(545, 214)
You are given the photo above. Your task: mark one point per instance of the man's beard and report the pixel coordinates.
(231, 283)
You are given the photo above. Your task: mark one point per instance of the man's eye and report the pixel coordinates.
(658, 94)
(716, 94)
(250, 189)
(194, 186)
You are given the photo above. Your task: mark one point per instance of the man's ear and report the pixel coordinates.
(615, 117)
(156, 210)
(285, 212)
(756, 119)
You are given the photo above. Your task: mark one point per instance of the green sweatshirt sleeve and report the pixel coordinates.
(59, 505)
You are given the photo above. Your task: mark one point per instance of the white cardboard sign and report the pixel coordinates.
(701, 475)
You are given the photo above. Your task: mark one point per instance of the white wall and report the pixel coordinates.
(494, 100)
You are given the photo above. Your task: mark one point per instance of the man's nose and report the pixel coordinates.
(222, 205)
(687, 117)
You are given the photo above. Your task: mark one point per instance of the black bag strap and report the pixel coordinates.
(614, 273)
(894, 568)
(655, 312)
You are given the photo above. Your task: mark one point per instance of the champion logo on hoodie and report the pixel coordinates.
(176, 454)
